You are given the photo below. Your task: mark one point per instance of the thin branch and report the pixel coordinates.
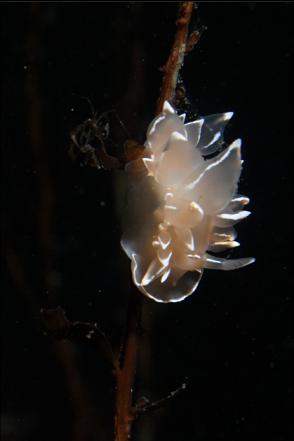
(125, 374)
(176, 57)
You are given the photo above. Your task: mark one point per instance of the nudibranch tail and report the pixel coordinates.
(183, 205)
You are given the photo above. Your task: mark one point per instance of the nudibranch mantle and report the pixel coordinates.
(182, 205)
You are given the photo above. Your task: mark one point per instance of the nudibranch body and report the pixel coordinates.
(183, 206)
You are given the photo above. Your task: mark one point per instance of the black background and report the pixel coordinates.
(231, 342)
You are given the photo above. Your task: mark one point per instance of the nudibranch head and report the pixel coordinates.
(184, 205)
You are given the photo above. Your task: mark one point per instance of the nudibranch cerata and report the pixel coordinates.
(184, 205)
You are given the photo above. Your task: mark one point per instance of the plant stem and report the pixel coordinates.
(125, 372)
(176, 57)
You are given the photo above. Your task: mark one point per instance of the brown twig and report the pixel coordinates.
(126, 412)
(125, 373)
(176, 57)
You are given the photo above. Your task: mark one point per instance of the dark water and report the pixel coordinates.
(232, 341)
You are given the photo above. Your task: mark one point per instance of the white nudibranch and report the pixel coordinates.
(183, 205)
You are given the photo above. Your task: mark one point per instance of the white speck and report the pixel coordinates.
(26, 67)
(102, 203)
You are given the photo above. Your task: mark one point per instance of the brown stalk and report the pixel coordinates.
(125, 373)
(126, 412)
(176, 57)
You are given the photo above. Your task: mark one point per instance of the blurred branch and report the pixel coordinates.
(65, 351)
(18, 276)
(59, 327)
(37, 137)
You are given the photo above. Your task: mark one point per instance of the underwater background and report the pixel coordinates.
(231, 342)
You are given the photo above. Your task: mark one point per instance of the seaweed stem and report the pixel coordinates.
(176, 56)
(125, 372)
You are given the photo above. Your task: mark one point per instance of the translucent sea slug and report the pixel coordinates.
(182, 205)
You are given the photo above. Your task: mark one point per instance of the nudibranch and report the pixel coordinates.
(183, 205)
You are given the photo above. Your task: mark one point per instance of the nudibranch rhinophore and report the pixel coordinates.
(183, 205)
